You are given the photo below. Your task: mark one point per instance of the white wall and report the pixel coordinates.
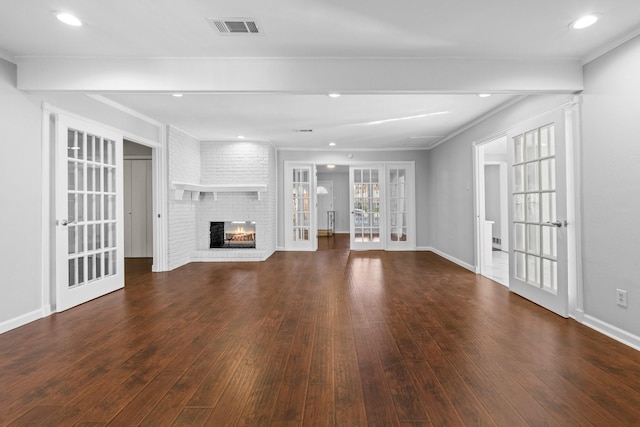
(184, 166)
(611, 186)
(21, 207)
(340, 199)
(421, 158)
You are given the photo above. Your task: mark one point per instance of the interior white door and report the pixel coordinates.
(537, 212)
(401, 223)
(89, 214)
(138, 230)
(300, 209)
(366, 192)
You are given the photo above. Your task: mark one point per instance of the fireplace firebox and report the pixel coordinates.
(232, 234)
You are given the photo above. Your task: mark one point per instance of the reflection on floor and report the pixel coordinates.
(499, 270)
(336, 241)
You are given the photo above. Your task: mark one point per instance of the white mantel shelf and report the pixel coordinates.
(196, 189)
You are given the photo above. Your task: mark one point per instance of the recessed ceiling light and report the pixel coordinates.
(332, 144)
(584, 22)
(69, 19)
(334, 95)
(177, 95)
(240, 136)
(331, 166)
(484, 95)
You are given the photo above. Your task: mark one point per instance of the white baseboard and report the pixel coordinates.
(280, 248)
(450, 258)
(611, 331)
(16, 322)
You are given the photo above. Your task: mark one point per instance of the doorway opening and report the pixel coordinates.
(492, 211)
(333, 206)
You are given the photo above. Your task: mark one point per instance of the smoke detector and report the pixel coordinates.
(234, 26)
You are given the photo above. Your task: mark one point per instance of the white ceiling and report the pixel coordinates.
(320, 28)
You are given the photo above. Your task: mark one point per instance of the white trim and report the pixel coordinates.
(45, 250)
(125, 109)
(611, 331)
(356, 150)
(603, 50)
(7, 57)
(450, 258)
(280, 249)
(23, 319)
(137, 157)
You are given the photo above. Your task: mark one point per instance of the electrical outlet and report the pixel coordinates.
(621, 297)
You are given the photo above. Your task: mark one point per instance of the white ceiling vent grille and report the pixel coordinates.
(235, 26)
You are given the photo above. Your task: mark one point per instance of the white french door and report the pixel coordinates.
(400, 207)
(538, 212)
(300, 207)
(89, 215)
(366, 192)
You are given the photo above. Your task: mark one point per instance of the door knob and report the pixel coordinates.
(67, 222)
(557, 223)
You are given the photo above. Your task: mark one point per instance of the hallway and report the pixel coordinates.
(326, 338)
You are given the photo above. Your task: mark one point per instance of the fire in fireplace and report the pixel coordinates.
(232, 234)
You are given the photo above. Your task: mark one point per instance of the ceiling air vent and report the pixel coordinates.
(234, 26)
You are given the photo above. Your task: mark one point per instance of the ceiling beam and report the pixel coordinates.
(299, 75)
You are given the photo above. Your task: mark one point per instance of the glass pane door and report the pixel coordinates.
(400, 202)
(300, 208)
(366, 215)
(89, 217)
(538, 256)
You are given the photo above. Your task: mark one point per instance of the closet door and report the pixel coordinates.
(137, 205)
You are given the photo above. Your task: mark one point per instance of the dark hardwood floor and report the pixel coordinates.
(325, 338)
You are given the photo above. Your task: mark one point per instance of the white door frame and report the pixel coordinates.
(312, 243)
(572, 113)
(50, 115)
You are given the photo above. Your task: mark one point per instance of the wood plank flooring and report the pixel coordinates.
(332, 338)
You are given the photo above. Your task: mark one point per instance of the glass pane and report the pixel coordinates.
(90, 149)
(99, 236)
(549, 241)
(110, 235)
(98, 150)
(547, 141)
(393, 176)
(72, 272)
(71, 175)
(518, 207)
(98, 265)
(80, 145)
(80, 239)
(71, 237)
(533, 239)
(98, 208)
(80, 270)
(548, 174)
(402, 173)
(72, 147)
(112, 261)
(80, 200)
(376, 190)
(533, 183)
(357, 175)
(518, 179)
(533, 270)
(105, 153)
(80, 175)
(533, 207)
(90, 178)
(366, 175)
(531, 145)
(374, 175)
(521, 271)
(549, 275)
(91, 207)
(90, 267)
(519, 237)
(91, 235)
(71, 207)
(107, 263)
(548, 207)
(519, 149)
